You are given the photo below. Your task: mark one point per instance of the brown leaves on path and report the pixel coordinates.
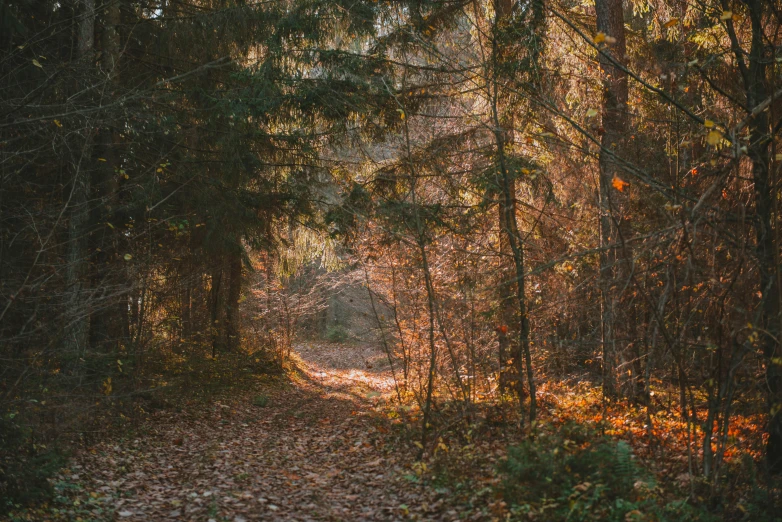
(312, 449)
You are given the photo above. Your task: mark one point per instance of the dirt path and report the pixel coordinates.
(314, 451)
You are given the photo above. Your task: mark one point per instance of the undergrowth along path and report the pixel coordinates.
(309, 448)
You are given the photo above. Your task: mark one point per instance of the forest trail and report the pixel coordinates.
(314, 451)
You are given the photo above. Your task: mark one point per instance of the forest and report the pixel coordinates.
(390, 260)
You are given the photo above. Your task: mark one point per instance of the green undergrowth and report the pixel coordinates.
(573, 474)
(26, 465)
(576, 474)
(337, 334)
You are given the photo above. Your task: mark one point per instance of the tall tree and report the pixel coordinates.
(77, 317)
(754, 71)
(611, 37)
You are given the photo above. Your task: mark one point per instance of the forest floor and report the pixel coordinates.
(326, 441)
(314, 445)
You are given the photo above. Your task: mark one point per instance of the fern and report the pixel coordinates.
(590, 477)
(623, 466)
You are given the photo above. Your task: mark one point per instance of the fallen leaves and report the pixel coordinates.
(305, 456)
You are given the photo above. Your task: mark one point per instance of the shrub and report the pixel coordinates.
(337, 334)
(25, 466)
(575, 475)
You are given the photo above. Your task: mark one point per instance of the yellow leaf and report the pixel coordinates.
(127, 257)
(600, 38)
(726, 15)
(670, 23)
(401, 114)
(708, 124)
(37, 63)
(102, 160)
(57, 122)
(778, 157)
(713, 137)
(591, 113)
(610, 40)
(107, 386)
(619, 184)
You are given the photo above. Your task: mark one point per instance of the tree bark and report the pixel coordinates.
(86, 36)
(766, 249)
(610, 21)
(507, 334)
(503, 133)
(108, 270)
(508, 321)
(77, 313)
(214, 302)
(233, 329)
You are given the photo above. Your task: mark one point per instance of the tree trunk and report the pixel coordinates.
(508, 321)
(503, 132)
(510, 376)
(755, 79)
(766, 249)
(214, 302)
(108, 272)
(610, 21)
(233, 329)
(86, 37)
(187, 307)
(77, 314)
(432, 351)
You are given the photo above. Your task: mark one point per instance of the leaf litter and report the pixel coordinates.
(315, 450)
